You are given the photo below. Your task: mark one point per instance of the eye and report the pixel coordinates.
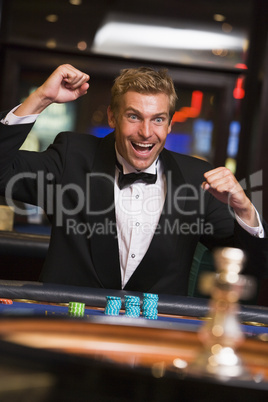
(132, 117)
(159, 120)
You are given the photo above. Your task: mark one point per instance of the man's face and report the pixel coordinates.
(141, 127)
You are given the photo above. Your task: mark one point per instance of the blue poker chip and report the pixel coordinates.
(111, 311)
(149, 304)
(148, 308)
(149, 314)
(151, 317)
(132, 314)
(132, 306)
(150, 296)
(132, 299)
(113, 299)
(133, 310)
(113, 305)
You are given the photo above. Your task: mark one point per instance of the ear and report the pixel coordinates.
(111, 117)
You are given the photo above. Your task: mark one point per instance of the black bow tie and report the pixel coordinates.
(130, 178)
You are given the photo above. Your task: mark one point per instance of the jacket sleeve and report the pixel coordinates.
(228, 233)
(24, 174)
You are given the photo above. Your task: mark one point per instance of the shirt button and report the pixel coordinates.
(137, 196)
(137, 223)
(6, 122)
(133, 256)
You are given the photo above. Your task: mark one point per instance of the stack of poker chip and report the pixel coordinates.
(149, 306)
(132, 306)
(76, 309)
(6, 301)
(113, 305)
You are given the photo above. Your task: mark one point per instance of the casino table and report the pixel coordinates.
(46, 355)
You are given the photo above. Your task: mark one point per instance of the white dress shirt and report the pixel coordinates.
(138, 209)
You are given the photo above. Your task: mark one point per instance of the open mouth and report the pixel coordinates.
(142, 147)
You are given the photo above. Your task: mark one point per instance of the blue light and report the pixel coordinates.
(179, 143)
(202, 131)
(100, 131)
(233, 141)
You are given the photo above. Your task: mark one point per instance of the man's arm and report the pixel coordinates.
(222, 184)
(65, 84)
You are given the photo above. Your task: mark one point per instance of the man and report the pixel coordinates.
(106, 231)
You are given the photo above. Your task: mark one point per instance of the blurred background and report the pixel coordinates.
(215, 50)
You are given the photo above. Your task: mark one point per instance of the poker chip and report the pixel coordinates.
(76, 309)
(132, 306)
(150, 296)
(6, 301)
(113, 305)
(149, 306)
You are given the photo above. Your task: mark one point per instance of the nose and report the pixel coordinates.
(145, 130)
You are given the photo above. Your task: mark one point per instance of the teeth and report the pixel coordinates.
(141, 144)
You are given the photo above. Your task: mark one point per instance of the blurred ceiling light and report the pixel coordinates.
(75, 2)
(51, 44)
(115, 35)
(246, 45)
(82, 45)
(52, 18)
(219, 17)
(227, 27)
(220, 52)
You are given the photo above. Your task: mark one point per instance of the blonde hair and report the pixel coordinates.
(144, 80)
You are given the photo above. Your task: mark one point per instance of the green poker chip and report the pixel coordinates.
(76, 309)
(76, 304)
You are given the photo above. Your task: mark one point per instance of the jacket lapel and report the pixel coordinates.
(104, 244)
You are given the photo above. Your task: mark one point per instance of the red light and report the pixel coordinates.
(197, 99)
(190, 112)
(239, 92)
(241, 66)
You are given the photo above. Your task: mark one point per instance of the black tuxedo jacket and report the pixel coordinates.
(73, 182)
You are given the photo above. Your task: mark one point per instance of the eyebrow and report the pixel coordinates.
(132, 109)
